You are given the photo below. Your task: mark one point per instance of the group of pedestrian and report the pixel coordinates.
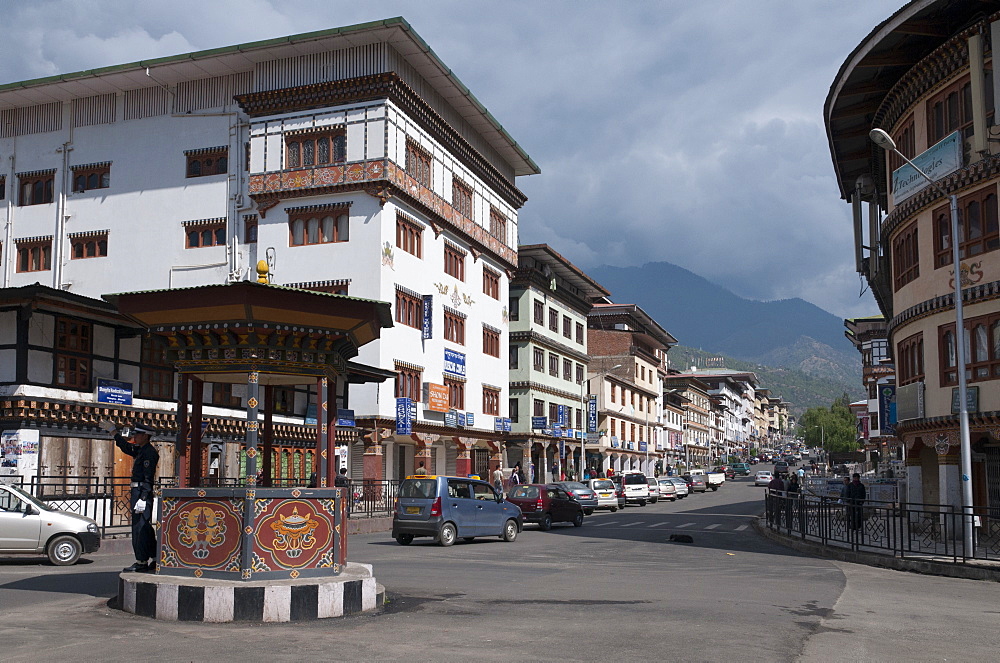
(783, 499)
(853, 494)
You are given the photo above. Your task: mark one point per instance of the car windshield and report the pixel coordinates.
(604, 484)
(573, 485)
(419, 488)
(524, 492)
(634, 479)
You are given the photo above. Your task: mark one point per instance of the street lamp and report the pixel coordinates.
(584, 387)
(884, 140)
(822, 441)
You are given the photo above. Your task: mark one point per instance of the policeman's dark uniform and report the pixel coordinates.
(141, 488)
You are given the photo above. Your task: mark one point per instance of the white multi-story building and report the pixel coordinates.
(349, 160)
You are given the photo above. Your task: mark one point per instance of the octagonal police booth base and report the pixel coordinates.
(251, 554)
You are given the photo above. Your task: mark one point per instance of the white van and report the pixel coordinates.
(635, 485)
(29, 526)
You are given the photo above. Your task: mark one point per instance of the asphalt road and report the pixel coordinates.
(615, 589)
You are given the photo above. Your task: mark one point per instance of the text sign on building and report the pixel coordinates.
(427, 329)
(404, 410)
(592, 414)
(114, 392)
(345, 417)
(939, 160)
(971, 399)
(887, 409)
(538, 423)
(563, 417)
(437, 397)
(454, 363)
(642, 445)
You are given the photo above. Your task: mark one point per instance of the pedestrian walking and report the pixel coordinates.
(856, 496)
(792, 493)
(775, 493)
(498, 480)
(515, 474)
(141, 481)
(421, 471)
(343, 481)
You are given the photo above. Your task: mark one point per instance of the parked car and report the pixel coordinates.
(668, 489)
(450, 507)
(762, 478)
(654, 489)
(780, 467)
(545, 504)
(583, 494)
(695, 482)
(682, 487)
(30, 526)
(726, 471)
(741, 469)
(635, 486)
(607, 493)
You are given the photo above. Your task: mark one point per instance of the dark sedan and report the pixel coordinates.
(546, 504)
(695, 482)
(583, 494)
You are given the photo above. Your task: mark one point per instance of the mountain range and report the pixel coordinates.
(803, 344)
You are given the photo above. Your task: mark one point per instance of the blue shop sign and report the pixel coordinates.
(454, 363)
(614, 441)
(427, 329)
(404, 422)
(592, 414)
(470, 420)
(538, 423)
(451, 419)
(114, 392)
(345, 417)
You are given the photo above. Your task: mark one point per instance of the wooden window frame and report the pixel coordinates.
(567, 369)
(538, 354)
(538, 407)
(93, 246)
(512, 410)
(88, 178)
(910, 359)
(419, 164)
(982, 370)
(513, 357)
(454, 262)
(579, 333)
(222, 396)
(905, 256)
(409, 383)
(579, 374)
(567, 326)
(461, 198)
(34, 256)
(251, 226)
(204, 235)
(305, 149)
(491, 401)
(554, 320)
(986, 204)
(310, 227)
(456, 393)
(156, 374)
(206, 164)
(554, 364)
(491, 283)
(35, 189)
(409, 309)
(905, 138)
(950, 110)
(539, 313)
(454, 327)
(409, 237)
(514, 306)
(491, 342)
(498, 225)
(73, 354)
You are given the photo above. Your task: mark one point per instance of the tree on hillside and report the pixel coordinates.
(834, 428)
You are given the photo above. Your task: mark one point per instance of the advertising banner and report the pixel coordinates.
(939, 160)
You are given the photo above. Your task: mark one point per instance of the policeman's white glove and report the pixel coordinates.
(107, 425)
(140, 506)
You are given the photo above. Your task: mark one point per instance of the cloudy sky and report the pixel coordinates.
(687, 132)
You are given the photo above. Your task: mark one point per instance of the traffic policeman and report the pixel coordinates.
(141, 495)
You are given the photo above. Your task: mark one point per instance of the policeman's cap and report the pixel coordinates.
(142, 428)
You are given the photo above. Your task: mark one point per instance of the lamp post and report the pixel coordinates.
(584, 388)
(884, 140)
(822, 442)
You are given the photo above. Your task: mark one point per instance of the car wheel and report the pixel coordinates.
(614, 509)
(655, 500)
(468, 539)
(448, 534)
(578, 521)
(714, 488)
(509, 531)
(404, 539)
(642, 502)
(589, 512)
(546, 523)
(64, 550)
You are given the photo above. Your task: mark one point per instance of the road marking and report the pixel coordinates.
(712, 526)
(658, 524)
(630, 524)
(685, 525)
(607, 522)
(741, 528)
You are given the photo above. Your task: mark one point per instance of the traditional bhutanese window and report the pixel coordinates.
(207, 161)
(91, 176)
(315, 147)
(418, 164)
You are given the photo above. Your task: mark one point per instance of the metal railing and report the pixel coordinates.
(901, 529)
(106, 499)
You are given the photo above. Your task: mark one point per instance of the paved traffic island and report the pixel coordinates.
(178, 598)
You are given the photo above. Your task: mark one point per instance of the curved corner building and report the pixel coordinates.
(925, 76)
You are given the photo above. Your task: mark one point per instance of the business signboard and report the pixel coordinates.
(454, 363)
(538, 423)
(563, 412)
(345, 417)
(427, 329)
(404, 411)
(642, 445)
(887, 409)
(939, 160)
(592, 414)
(114, 392)
(971, 400)
(437, 397)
